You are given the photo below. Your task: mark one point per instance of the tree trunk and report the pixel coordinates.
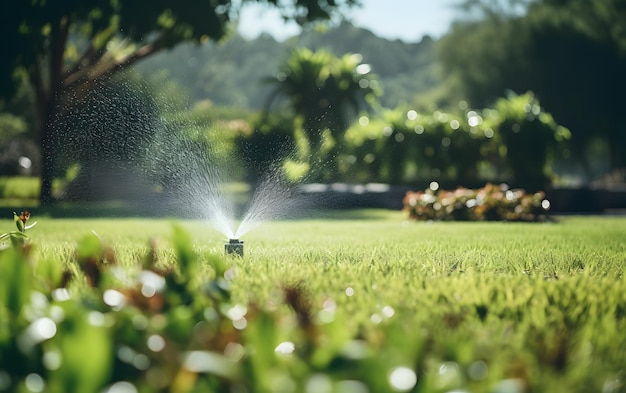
(47, 100)
(47, 155)
(44, 107)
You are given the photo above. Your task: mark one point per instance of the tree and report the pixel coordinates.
(570, 53)
(325, 93)
(61, 47)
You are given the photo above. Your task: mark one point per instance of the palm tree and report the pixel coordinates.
(325, 93)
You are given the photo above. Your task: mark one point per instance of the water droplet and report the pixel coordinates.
(376, 319)
(60, 295)
(388, 311)
(448, 374)
(125, 354)
(474, 121)
(34, 383)
(141, 362)
(24, 162)
(319, 383)
(363, 69)
(148, 290)
(512, 385)
(96, 318)
(121, 387)
(113, 298)
(285, 348)
(478, 370)
(230, 274)
(402, 379)
(240, 323)
(38, 300)
(236, 312)
(43, 329)
(155, 343)
(234, 351)
(152, 281)
(51, 360)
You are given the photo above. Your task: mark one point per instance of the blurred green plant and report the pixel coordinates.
(22, 188)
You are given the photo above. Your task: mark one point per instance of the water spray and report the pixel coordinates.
(234, 246)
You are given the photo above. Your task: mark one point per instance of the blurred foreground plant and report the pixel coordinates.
(102, 324)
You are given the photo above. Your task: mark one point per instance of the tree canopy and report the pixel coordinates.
(570, 53)
(60, 46)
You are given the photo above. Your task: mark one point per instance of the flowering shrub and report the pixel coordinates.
(490, 203)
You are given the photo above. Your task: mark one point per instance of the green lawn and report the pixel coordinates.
(370, 301)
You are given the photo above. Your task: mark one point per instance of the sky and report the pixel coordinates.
(407, 20)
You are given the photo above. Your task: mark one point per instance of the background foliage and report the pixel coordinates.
(565, 55)
(569, 53)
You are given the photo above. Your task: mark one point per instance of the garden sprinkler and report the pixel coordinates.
(234, 246)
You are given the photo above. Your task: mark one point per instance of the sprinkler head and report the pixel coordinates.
(234, 246)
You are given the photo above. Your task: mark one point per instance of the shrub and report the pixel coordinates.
(515, 141)
(20, 187)
(531, 138)
(490, 203)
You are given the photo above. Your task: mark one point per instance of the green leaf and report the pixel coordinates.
(18, 223)
(263, 332)
(89, 247)
(184, 251)
(15, 280)
(218, 264)
(180, 322)
(49, 272)
(18, 238)
(86, 352)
